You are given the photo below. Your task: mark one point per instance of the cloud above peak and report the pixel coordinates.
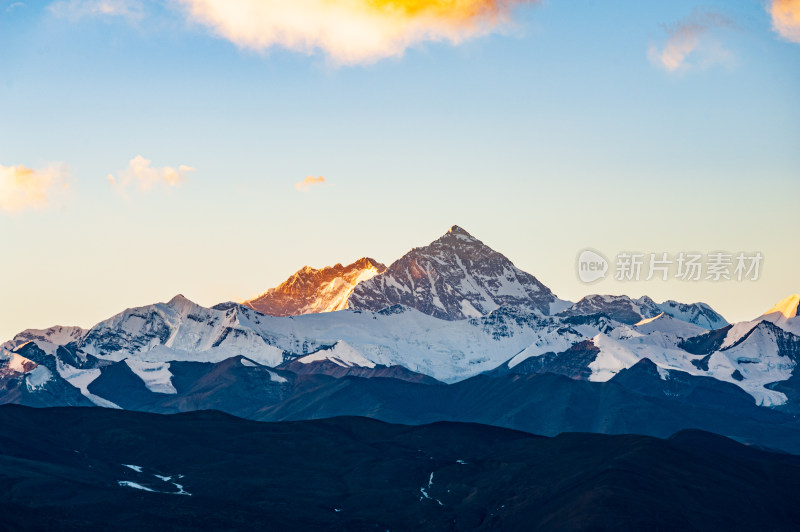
(786, 18)
(349, 31)
(308, 182)
(140, 173)
(23, 188)
(686, 37)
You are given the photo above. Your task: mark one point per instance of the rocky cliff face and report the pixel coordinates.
(310, 290)
(453, 278)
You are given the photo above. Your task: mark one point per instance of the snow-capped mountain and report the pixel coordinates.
(593, 372)
(310, 290)
(148, 339)
(455, 277)
(26, 379)
(620, 308)
(630, 311)
(177, 330)
(342, 360)
(445, 313)
(15, 364)
(765, 355)
(700, 314)
(447, 350)
(784, 314)
(48, 340)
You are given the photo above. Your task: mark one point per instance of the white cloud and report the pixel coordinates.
(23, 188)
(146, 177)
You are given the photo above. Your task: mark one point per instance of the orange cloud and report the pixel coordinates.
(683, 39)
(349, 31)
(24, 188)
(786, 18)
(146, 177)
(309, 182)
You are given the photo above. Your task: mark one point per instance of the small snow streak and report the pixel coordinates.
(129, 484)
(425, 494)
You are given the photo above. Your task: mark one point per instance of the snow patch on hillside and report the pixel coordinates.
(665, 323)
(81, 379)
(548, 341)
(37, 378)
(342, 354)
(759, 363)
(613, 357)
(155, 375)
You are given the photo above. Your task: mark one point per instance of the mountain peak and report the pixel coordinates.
(454, 277)
(180, 301)
(367, 262)
(456, 235)
(631, 311)
(784, 314)
(456, 230)
(787, 307)
(310, 290)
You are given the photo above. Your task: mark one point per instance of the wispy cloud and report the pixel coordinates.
(308, 182)
(15, 5)
(684, 39)
(786, 18)
(146, 177)
(73, 9)
(349, 31)
(23, 188)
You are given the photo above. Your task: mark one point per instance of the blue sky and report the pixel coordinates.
(558, 130)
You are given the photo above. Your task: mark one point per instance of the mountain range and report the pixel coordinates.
(450, 331)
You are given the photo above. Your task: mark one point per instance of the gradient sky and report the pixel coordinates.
(615, 125)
